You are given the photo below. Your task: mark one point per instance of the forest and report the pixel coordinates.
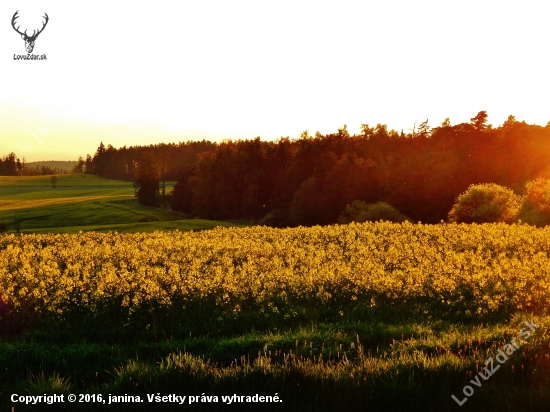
(310, 180)
(11, 165)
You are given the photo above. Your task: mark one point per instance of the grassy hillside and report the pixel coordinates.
(83, 202)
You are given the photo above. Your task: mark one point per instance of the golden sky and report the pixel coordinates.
(129, 73)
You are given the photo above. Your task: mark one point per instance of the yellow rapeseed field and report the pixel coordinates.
(480, 268)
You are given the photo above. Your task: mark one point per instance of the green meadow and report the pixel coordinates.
(83, 202)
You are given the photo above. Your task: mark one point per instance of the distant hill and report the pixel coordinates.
(57, 165)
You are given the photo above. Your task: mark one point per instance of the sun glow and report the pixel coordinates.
(141, 74)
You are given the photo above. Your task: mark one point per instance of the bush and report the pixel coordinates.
(486, 203)
(538, 194)
(275, 218)
(359, 211)
(536, 205)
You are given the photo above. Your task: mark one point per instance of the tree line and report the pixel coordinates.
(310, 180)
(11, 165)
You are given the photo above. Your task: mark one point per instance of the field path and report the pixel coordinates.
(16, 204)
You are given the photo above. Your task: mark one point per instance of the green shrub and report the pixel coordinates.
(538, 194)
(535, 209)
(359, 211)
(486, 203)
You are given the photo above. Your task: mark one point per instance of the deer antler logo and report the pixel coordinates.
(29, 40)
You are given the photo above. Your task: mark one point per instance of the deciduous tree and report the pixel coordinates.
(486, 203)
(147, 183)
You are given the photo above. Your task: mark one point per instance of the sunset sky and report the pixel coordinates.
(132, 73)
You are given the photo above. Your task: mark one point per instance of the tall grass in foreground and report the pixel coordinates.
(310, 370)
(406, 382)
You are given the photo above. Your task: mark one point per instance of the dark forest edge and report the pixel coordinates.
(311, 180)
